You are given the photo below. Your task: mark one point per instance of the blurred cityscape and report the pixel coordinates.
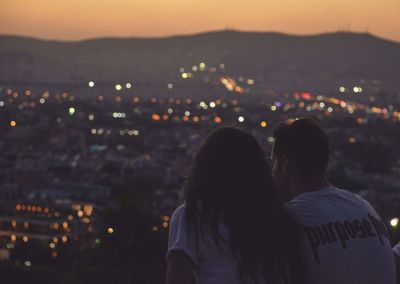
(91, 172)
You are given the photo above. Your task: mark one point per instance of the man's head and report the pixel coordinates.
(301, 149)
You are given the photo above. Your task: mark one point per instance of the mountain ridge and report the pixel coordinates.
(216, 32)
(277, 58)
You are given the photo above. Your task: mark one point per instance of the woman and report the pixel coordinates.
(232, 228)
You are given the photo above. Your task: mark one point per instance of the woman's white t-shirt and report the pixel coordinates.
(213, 265)
(396, 249)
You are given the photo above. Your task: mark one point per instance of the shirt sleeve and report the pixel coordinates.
(396, 249)
(178, 238)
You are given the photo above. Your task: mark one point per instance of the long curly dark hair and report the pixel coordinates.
(230, 180)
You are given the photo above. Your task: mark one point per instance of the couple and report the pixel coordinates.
(235, 228)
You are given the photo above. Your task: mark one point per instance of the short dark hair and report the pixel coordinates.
(304, 143)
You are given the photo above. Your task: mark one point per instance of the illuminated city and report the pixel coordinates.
(86, 143)
(98, 128)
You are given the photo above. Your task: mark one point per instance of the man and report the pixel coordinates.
(345, 240)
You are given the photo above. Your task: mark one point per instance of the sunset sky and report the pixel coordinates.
(81, 19)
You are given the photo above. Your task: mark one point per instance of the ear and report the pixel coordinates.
(291, 168)
(285, 166)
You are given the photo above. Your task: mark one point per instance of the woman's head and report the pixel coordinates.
(229, 170)
(230, 180)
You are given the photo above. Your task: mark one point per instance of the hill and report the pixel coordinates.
(279, 58)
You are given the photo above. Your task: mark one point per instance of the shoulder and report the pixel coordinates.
(179, 239)
(178, 221)
(179, 214)
(305, 201)
(302, 210)
(360, 201)
(328, 195)
(329, 202)
(311, 207)
(348, 194)
(396, 250)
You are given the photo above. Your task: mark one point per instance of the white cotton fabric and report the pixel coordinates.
(345, 240)
(213, 265)
(396, 249)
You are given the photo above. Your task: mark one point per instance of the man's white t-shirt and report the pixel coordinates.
(345, 240)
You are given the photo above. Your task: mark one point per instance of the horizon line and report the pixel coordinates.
(198, 34)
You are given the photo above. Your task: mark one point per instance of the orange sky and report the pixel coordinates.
(80, 19)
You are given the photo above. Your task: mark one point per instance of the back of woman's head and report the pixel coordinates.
(230, 181)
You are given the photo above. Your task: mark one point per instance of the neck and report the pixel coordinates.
(301, 184)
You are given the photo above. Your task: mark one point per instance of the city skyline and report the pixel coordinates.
(74, 20)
